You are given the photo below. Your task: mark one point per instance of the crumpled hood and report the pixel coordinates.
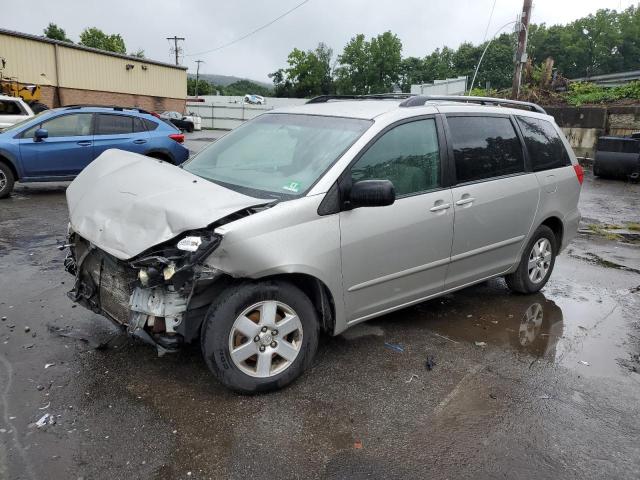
(125, 203)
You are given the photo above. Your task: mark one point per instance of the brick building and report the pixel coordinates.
(72, 74)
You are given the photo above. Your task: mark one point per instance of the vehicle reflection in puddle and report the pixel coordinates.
(531, 324)
(579, 327)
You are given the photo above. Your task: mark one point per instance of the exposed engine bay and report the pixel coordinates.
(159, 296)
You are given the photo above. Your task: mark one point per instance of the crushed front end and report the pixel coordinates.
(151, 295)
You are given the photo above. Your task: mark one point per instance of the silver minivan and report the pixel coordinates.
(315, 218)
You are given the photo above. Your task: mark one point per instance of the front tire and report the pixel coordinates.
(536, 264)
(7, 180)
(260, 336)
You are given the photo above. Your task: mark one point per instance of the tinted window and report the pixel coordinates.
(485, 147)
(73, 125)
(618, 145)
(114, 124)
(9, 107)
(544, 145)
(138, 126)
(408, 156)
(151, 125)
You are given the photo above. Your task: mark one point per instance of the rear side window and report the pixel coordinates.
(151, 125)
(114, 124)
(406, 155)
(544, 145)
(618, 145)
(9, 107)
(485, 147)
(138, 126)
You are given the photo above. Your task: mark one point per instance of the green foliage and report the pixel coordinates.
(55, 32)
(241, 88)
(138, 53)
(96, 38)
(585, 93)
(605, 42)
(204, 87)
(308, 74)
(373, 66)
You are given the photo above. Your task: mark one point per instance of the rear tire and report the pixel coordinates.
(260, 336)
(536, 264)
(190, 128)
(7, 180)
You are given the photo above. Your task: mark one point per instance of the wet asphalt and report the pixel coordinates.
(477, 384)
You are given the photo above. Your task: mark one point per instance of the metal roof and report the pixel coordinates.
(38, 38)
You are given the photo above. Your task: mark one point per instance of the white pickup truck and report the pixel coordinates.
(13, 110)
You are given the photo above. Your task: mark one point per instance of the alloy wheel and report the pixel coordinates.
(265, 339)
(539, 260)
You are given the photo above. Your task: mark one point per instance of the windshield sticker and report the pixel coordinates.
(292, 187)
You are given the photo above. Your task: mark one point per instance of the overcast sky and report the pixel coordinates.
(422, 25)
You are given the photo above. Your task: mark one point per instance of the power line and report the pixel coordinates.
(486, 31)
(225, 45)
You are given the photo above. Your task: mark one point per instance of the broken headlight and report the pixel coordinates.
(174, 262)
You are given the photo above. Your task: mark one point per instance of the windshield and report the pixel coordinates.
(20, 124)
(277, 155)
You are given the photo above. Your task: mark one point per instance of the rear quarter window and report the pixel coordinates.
(485, 147)
(544, 146)
(150, 124)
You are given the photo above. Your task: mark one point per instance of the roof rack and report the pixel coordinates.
(372, 96)
(114, 107)
(420, 100)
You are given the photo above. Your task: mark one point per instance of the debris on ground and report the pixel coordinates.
(413, 375)
(481, 344)
(357, 444)
(394, 346)
(27, 329)
(430, 363)
(493, 395)
(46, 419)
(584, 363)
(47, 365)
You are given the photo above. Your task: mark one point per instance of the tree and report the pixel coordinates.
(352, 74)
(96, 38)
(138, 53)
(55, 32)
(204, 87)
(385, 52)
(308, 74)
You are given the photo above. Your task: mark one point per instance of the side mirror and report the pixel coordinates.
(40, 134)
(372, 193)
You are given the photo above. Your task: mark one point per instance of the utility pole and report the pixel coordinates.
(521, 58)
(198, 74)
(175, 48)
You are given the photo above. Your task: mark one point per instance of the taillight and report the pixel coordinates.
(155, 114)
(579, 172)
(179, 137)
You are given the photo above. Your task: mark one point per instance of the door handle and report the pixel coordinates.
(439, 208)
(85, 143)
(465, 201)
(140, 141)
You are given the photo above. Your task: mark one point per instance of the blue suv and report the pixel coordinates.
(57, 144)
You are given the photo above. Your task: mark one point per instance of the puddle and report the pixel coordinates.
(570, 324)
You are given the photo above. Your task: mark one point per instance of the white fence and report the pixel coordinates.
(226, 113)
(450, 86)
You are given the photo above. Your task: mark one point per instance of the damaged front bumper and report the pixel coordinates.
(150, 295)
